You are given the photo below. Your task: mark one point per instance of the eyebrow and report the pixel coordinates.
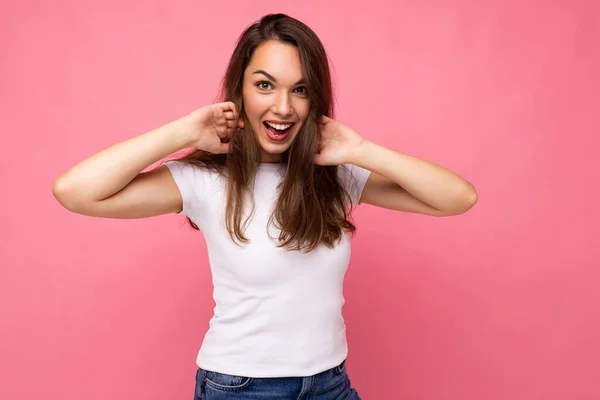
(271, 77)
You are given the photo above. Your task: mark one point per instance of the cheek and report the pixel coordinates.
(254, 106)
(302, 108)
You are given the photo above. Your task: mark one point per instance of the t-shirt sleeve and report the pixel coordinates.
(192, 182)
(354, 179)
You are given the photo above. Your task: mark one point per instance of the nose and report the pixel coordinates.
(282, 104)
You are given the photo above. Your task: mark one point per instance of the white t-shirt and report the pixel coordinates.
(278, 312)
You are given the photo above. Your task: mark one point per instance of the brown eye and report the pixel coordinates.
(302, 90)
(261, 84)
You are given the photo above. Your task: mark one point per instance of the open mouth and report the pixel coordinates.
(278, 132)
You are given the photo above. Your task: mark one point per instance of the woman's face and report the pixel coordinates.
(275, 98)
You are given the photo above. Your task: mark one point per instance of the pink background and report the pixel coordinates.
(500, 303)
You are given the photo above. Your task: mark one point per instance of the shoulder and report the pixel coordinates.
(351, 174)
(190, 169)
(194, 180)
(353, 178)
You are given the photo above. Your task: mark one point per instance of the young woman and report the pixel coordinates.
(270, 185)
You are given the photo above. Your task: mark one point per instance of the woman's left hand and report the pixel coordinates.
(338, 143)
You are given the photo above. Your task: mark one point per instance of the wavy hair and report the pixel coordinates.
(312, 206)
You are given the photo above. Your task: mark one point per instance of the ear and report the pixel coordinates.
(242, 115)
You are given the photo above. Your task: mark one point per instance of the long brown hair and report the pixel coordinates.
(312, 206)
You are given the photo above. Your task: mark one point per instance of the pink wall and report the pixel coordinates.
(500, 303)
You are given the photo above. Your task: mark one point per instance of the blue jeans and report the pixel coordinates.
(332, 384)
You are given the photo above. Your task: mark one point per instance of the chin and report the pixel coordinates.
(274, 148)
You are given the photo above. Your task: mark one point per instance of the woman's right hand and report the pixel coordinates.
(209, 126)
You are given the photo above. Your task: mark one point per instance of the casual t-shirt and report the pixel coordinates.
(278, 312)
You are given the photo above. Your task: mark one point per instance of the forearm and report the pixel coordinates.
(107, 172)
(432, 184)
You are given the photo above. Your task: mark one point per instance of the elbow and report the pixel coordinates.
(468, 198)
(59, 190)
(63, 194)
(463, 201)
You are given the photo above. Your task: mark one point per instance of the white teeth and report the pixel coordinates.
(279, 126)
